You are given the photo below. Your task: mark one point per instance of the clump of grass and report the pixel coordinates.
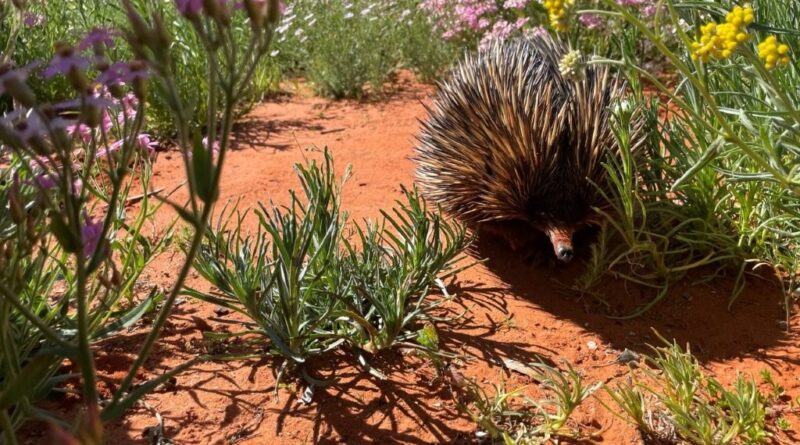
(511, 417)
(673, 400)
(307, 288)
(350, 49)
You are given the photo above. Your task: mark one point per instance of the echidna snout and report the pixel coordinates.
(561, 238)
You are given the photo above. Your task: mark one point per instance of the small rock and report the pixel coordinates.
(592, 345)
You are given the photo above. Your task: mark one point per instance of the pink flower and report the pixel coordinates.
(142, 142)
(91, 231)
(590, 21)
(515, 4)
(649, 11)
(538, 31)
(214, 146)
(82, 130)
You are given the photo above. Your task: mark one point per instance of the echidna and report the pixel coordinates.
(513, 144)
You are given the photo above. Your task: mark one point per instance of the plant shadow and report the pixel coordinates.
(694, 310)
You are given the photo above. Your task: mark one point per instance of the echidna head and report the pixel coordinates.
(560, 236)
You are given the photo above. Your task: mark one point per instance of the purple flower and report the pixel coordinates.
(189, 7)
(64, 62)
(46, 181)
(97, 36)
(31, 19)
(649, 11)
(590, 21)
(32, 127)
(15, 76)
(90, 235)
(214, 146)
(120, 73)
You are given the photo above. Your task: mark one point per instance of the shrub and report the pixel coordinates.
(718, 188)
(71, 254)
(47, 23)
(307, 288)
(675, 401)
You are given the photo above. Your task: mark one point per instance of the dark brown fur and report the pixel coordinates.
(509, 139)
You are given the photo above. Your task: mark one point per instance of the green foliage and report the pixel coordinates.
(308, 288)
(717, 188)
(675, 401)
(343, 47)
(67, 21)
(512, 418)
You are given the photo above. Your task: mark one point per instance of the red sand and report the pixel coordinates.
(516, 311)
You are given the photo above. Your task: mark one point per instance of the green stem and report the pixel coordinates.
(8, 428)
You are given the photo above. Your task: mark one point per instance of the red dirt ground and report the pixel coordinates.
(517, 311)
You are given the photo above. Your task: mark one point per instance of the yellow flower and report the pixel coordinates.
(557, 11)
(719, 40)
(773, 54)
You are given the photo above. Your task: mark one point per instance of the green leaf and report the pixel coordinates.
(130, 317)
(27, 381)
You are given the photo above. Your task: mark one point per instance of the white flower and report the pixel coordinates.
(349, 15)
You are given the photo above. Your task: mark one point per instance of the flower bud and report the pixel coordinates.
(139, 82)
(15, 202)
(14, 84)
(273, 12)
(161, 35)
(256, 12)
(20, 4)
(212, 8)
(140, 32)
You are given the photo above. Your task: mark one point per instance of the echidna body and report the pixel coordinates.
(510, 140)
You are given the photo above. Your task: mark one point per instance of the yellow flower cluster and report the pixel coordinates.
(557, 11)
(719, 40)
(773, 53)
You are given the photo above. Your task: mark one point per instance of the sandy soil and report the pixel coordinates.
(517, 311)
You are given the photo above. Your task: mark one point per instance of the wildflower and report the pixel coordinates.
(97, 36)
(536, 32)
(70, 64)
(590, 21)
(189, 8)
(571, 66)
(515, 4)
(31, 19)
(773, 53)
(558, 11)
(719, 40)
(214, 147)
(649, 11)
(12, 81)
(91, 231)
(82, 131)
